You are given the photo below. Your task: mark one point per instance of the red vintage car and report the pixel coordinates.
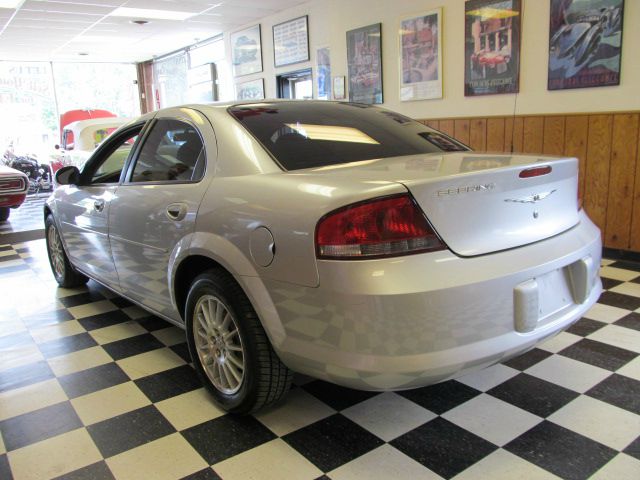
(13, 190)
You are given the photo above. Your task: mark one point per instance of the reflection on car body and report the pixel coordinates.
(312, 237)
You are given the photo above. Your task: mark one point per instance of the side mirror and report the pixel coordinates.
(69, 175)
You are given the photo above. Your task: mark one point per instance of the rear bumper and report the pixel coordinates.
(12, 200)
(411, 321)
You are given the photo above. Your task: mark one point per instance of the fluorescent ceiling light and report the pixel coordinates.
(10, 3)
(332, 133)
(149, 13)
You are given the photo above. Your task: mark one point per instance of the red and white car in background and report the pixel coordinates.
(13, 190)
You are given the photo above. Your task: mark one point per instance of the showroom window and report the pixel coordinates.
(109, 168)
(173, 151)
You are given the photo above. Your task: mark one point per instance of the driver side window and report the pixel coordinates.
(109, 168)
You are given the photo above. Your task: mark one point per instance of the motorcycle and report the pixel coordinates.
(39, 173)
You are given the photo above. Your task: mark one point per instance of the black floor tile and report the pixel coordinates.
(441, 397)
(47, 318)
(96, 471)
(633, 449)
(121, 302)
(443, 447)
(5, 469)
(528, 359)
(618, 390)
(599, 354)
(152, 323)
(226, 436)
(336, 396)
(4, 248)
(627, 265)
(332, 442)
(41, 424)
(609, 283)
(64, 345)
(630, 321)
(92, 380)
(620, 300)
(82, 298)
(561, 451)
(182, 350)
(8, 258)
(24, 375)
(104, 320)
(132, 346)
(129, 430)
(169, 383)
(206, 474)
(532, 394)
(585, 326)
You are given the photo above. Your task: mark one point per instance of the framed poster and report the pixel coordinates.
(291, 42)
(323, 59)
(492, 46)
(421, 56)
(585, 43)
(251, 90)
(338, 88)
(364, 64)
(246, 51)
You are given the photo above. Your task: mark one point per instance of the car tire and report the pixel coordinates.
(229, 348)
(4, 213)
(63, 271)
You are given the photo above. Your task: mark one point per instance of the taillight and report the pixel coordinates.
(12, 184)
(383, 227)
(535, 172)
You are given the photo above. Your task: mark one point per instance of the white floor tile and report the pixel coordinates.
(488, 378)
(559, 342)
(492, 419)
(587, 416)
(388, 415)
(606, 313)
(502, 465)
(617, 336)
(568, 373)
(621, 467)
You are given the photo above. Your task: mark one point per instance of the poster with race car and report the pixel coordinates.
(421, 69)
(364, 61)
(492, 46)
(585, 43)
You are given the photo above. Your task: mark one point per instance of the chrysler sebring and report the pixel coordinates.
(342, 241)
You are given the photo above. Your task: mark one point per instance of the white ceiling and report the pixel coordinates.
(59, 30)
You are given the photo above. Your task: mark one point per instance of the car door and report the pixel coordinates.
(155, 209)
(83, 210)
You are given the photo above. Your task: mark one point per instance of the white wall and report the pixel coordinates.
(329, 21)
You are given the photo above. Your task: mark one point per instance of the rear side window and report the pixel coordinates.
(173, 151)
(315, 134)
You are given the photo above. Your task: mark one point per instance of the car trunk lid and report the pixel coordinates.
(480, 203)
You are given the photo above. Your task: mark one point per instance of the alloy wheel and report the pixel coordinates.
(218, 344)
(56, 253)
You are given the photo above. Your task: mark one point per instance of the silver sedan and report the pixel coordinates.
(342, 241)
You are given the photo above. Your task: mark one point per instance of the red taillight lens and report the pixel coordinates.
(383, 227)
(12, 184)
(535, 172)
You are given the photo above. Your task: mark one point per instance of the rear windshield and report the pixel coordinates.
(315, 134)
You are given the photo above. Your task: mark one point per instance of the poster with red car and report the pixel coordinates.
(492, 46)
(585, 43)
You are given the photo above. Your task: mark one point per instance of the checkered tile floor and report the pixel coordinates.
(26, 217)
(92, 387)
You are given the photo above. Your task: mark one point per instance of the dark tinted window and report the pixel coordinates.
(314, 134)
(173, 151)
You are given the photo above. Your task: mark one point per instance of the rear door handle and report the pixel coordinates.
(177, 211)
(98, 205)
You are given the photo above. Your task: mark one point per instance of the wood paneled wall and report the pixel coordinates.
(607, 145)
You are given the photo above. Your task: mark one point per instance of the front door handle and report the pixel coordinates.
(98, 205)
(177, 211)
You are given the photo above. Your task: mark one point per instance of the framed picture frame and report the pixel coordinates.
(251, 90)
(420, 38)
(492, 47)
(364, 64)
(585, 44)
(323, 76)
(338, 88)
(291, 42)
(246, 51)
